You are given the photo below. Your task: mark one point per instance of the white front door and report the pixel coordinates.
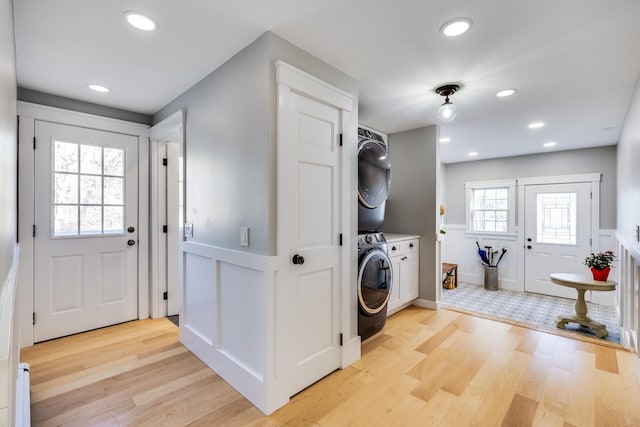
(314, 188)
(557, 234)
(86, 256)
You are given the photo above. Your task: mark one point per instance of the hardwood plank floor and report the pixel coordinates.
(440, 368)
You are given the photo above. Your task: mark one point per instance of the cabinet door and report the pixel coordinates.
(394, 299)
(409, 277)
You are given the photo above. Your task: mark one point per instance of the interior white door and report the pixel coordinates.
(314, 236)
(86, 258)
(557, 234)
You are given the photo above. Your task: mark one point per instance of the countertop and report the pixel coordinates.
(397, 237)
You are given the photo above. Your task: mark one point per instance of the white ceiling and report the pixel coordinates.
(574, 62)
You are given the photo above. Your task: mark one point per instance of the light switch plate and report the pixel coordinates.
(188, 230)
(244, 236)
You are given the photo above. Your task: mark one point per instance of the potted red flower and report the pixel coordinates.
(600, 264)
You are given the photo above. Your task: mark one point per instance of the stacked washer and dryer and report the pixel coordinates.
(375, 276)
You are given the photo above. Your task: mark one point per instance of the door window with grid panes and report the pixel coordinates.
(87, 189)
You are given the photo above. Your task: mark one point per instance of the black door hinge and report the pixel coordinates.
(34, 318)
(164, 162)
(34, 142)
(164, 228)
(340, 140)
(165, 295)
(340, 340)
(340, 239)
(34, 230)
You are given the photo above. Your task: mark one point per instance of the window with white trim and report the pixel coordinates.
(490, 206)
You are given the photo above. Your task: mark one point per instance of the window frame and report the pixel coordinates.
(510, 184)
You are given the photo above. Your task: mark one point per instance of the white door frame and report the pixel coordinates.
(28, 113)
(169, 129)
(291, 78)
(591, 178)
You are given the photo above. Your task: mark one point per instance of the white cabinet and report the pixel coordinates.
(404, 252)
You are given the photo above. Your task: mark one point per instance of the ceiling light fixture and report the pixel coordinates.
(506, 92)
(472, 153)
(447, 112)
(98, 88)
(445, 140)
(456, 27)
(140, 21)
(536, 125)
(550, 144)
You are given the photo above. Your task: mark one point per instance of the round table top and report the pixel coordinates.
(579, 281)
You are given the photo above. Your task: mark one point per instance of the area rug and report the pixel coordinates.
(530, 310)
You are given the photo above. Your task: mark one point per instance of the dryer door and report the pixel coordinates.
(374, 173)
(374, 281)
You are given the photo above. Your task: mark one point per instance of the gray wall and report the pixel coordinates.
(231, 143)
(629, 172)
(42, 98)
(8, 140)
(412, 204)
(227, 151)
(589, 160)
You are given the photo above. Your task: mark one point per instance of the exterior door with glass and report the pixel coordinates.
(557, 234)
(86, 257)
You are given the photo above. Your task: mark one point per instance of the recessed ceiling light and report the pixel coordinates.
(140, 21)
(536, 125)
(472, 154)
(98, 88)
(445, 140)
(456, 26)
(550, 144)
(506, 92)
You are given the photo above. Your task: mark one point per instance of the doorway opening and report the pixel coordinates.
(166, 215)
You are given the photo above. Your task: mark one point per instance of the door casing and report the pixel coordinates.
(592, 178)
(168, 131)
(27, 114)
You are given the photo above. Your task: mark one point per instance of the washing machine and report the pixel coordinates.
(374, 283)
(374, 180)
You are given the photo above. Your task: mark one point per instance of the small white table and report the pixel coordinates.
(582, 284)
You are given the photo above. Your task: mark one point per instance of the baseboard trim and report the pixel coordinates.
(425, 303)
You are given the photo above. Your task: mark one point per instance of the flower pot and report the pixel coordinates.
(600, 274)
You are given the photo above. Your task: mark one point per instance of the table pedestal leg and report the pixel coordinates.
(581, 318)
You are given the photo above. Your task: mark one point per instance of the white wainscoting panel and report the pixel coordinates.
(628, 292)
(199, 297)
(459, 247)
(229, 316)
(243, 310)
(606, 241)
(9, 349)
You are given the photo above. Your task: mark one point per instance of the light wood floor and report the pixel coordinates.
(426, 368)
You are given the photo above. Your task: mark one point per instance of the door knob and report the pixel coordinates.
(297, 259)
(131, 229)
(528, 246)
(131, 242)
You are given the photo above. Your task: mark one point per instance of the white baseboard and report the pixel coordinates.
(425, 303)
(351, 351)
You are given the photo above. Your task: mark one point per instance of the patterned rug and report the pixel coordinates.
(539, 311)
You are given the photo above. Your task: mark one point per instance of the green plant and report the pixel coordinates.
(601, 260)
